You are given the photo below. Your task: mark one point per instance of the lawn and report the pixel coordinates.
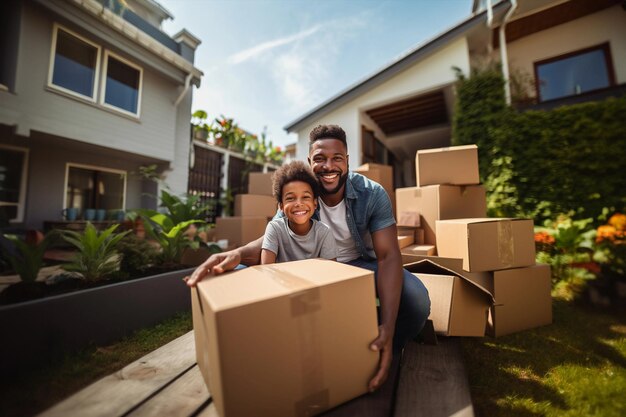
(574, 367)
(32, 392)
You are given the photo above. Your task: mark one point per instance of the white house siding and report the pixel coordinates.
(37, 108)
(428, 74)
(608, 25)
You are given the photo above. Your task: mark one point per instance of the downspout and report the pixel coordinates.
(503, 55)
(187, 85)
(192, 152)
(490, 27)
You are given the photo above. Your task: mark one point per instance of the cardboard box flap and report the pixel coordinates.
(447, 149)
(427, 266)
(263, 282)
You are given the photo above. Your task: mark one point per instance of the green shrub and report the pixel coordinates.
(539, 164)
(137, 255)
(97, 256)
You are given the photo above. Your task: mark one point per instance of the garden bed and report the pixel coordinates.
(38, 331)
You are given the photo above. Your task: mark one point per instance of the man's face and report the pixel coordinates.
(329, 160)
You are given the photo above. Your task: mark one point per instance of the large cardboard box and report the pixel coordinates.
(523, 299)
(487, 244)
(456, 165)
(254, 205)
(382, 174)
(409, 218)
(439, 202)
(281, 340)
(240, 230)
(260, 183)
(459, 307)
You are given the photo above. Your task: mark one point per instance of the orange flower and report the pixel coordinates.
(618, 221)
(544, 238)
(606, 232)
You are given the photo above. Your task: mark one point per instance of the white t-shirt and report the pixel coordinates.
(335, 218)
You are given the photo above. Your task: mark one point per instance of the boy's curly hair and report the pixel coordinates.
(293, 171)
(327, 132)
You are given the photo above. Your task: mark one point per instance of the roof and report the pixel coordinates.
(400, 64)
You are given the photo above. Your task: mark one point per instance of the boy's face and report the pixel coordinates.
(298, 202)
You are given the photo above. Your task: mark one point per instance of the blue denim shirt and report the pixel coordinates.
(368, 209)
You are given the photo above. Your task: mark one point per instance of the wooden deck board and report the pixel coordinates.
(119, 392)
(183, 397)
(433, 382)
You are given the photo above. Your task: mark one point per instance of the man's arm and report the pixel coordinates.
(218, 263)
(389, 286)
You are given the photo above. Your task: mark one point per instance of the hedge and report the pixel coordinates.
(571, 159)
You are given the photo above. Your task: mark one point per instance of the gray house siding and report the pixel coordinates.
(41, 108)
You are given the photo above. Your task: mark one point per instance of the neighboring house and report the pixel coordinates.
(569, 51)
(90, 92)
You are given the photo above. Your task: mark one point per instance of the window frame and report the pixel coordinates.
(53, 47)
(69, 165)
(21, 204)
(107, 54)
(605, 47)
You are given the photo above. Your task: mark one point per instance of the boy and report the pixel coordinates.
(296, 235)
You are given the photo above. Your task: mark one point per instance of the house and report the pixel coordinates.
(568, 51)
(91, 94)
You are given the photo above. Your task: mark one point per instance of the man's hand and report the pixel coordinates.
(382, 344)
(215, 265)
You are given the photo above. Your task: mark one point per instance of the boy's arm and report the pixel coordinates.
(267, 257)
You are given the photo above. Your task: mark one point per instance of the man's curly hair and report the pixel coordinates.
(327, 132)
(293, 171)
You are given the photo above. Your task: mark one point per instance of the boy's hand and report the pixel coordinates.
(382, 344)
(215, 265)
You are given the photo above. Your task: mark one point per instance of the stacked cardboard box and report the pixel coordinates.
(447, 188)
(475, 254)
(280, 339)
(252, 212)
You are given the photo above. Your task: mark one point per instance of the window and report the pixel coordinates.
(122, 85)
(74, 64)
(575, 73)
(94, 187)
(75, 69)
(13, 169)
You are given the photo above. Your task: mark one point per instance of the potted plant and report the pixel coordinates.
(200, 127)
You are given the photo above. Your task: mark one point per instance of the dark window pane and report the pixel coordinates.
(7, 213)
(573, 75)
(122, 88)
(11, 165)
(89, 188)
(74, 64)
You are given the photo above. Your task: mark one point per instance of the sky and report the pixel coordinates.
(268, 62)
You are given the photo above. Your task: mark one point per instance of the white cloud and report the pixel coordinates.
(261, 48)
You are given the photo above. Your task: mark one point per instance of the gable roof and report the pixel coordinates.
(397, 66)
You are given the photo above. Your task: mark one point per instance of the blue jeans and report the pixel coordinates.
(414, 305)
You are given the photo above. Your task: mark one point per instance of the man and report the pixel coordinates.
(358, 212)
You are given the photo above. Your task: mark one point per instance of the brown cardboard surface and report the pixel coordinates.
(282, 340)
(456, 165)
(382, 174)
(254, 205)
(439, 202)
(523, 300)
(483, 279)
(424, 250)
(239, 230)
(404, 241)
(260, 183)
(487, 244)
(459, 306)
(409, 218)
